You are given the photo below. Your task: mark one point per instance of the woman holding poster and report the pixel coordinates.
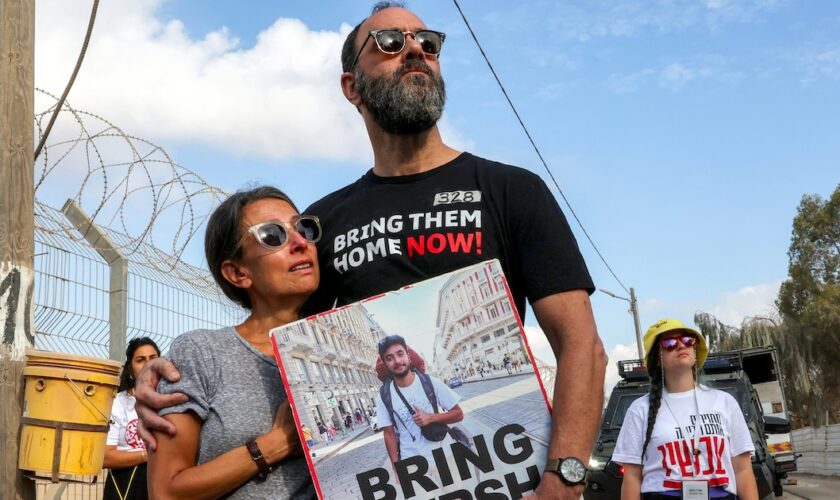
(683, 440)
(236, 435)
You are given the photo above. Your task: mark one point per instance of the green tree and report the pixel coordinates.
(806, 328)
(810, 293)
(805, 386)
(802, 376)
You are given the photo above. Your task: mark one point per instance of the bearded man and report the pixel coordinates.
(404, 406)
(425, 209)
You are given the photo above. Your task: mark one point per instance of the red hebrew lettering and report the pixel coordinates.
(684, 457)
(664, 462)
(710, 453)
(720, 447)
(672, 455)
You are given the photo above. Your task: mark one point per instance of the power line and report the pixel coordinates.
(536, 149)
(70, 82)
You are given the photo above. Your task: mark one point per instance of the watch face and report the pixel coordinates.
(572, 470)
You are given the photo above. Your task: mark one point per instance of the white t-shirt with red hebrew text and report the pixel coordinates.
(123, 430)
(722, 434)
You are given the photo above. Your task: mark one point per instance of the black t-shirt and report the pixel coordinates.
(382, 233)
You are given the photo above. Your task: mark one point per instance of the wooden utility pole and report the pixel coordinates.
(17, 237)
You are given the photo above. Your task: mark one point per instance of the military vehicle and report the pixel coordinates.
(733, 372)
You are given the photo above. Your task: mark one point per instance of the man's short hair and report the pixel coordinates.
(389, 341)
(348, 51)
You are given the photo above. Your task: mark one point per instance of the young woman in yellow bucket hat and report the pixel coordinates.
(683, 440)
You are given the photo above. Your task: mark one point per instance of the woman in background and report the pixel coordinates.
(125, 453)
(683, 438)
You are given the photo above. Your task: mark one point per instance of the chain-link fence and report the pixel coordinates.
(72, 300)
(118, 273)
(72, 292)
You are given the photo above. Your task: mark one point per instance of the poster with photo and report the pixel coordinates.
(429, 391)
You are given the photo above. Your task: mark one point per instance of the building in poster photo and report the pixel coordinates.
(478, 334)
(329, 362)
(455, 324)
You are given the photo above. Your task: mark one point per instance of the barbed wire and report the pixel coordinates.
(126, 184)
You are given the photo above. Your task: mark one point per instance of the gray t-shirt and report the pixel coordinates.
(235, 390)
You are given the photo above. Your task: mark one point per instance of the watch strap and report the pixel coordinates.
(263, 469)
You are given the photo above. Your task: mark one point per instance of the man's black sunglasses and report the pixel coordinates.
(391, 41)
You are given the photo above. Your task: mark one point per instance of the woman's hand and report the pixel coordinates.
(282, 440)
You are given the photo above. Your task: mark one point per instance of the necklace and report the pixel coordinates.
(694, 450)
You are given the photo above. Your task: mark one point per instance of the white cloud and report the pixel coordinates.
(732, 308)
(717, 4)
(586, 21)
(539, 345)
(626, 84)
(616, 353)
(279, 99)
(676, 76)
(453, 137)
(542, 351)
(820, 62)
(652, 306)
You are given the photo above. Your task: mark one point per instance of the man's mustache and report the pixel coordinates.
(413, 65)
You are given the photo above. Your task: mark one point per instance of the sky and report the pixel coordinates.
(683, 133)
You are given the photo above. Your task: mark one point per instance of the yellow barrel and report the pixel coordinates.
(67, 408)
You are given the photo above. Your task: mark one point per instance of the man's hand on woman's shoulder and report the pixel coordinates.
(149, 400)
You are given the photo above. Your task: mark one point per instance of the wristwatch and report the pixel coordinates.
(571, 470)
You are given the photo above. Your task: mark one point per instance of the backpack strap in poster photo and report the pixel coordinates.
(457, 432)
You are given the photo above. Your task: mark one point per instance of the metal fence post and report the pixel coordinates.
(118, 298)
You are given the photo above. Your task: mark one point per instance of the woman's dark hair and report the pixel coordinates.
(224, 232)
(126, 377)
(654, 366)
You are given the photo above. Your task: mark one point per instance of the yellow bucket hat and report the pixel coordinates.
(671, 325)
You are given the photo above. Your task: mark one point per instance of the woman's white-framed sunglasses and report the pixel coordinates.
(273, 234)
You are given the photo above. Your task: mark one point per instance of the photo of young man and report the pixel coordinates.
(411, 401)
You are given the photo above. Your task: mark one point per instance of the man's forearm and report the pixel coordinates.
(452, 416)
(390, 437)
(578, 400)
(566, 318)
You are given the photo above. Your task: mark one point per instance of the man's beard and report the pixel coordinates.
(403, 373)
(399, 107)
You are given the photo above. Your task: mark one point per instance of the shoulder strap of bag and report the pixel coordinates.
(400, 394)
(385, 393)
(429, 389)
